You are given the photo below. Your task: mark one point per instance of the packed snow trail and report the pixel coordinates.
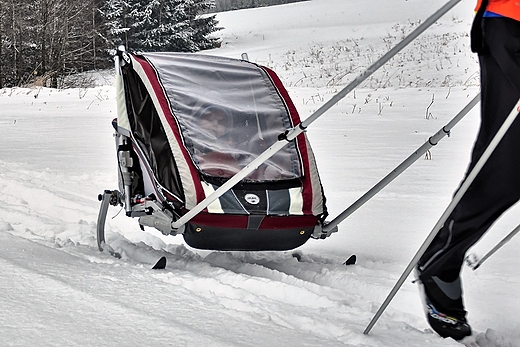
(104, 301)
(58, 287)
(85, 303)
(54, 281)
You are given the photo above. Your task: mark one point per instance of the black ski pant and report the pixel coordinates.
(497, 187)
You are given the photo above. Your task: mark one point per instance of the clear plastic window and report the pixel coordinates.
(229, 112)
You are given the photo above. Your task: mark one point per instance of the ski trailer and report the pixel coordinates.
(186, 124)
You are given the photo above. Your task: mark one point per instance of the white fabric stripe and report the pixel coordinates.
(317, 193)
(149, 188)
(182, 165)
(296, 207)
(122, 115)
(215, 206)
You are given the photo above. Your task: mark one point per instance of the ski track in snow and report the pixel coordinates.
(57, 258)
(56, 155)
(318, 297)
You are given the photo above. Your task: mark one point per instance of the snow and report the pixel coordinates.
(57, 154)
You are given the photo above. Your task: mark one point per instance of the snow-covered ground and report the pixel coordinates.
(57, 154)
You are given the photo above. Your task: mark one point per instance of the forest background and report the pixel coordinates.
(45, 42)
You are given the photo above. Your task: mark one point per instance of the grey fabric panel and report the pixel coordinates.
(254, 221)
(230, 203)
(279, 201)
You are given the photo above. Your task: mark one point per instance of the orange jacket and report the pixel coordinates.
(507, 8)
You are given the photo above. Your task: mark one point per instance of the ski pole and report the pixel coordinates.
(497, 247)
(291, 134)
(432, 141)
(462, 190)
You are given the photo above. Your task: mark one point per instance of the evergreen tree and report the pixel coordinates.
(204, 26)
(161, 25)
(115, 14)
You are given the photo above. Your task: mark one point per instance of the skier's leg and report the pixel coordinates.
(494, 190)
(497, 187)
